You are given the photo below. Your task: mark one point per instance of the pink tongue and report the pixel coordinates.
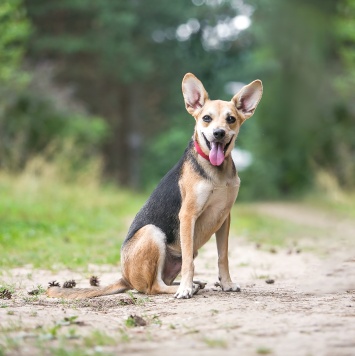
(216, 154)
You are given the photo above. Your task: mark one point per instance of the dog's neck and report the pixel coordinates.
(200, 152)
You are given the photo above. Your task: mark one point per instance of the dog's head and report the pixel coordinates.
(217, 121)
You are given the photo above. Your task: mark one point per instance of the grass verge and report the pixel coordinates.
(265, 230)
(51, 223)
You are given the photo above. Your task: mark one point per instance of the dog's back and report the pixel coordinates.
(162, 207)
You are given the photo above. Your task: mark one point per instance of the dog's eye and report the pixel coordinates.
(207, 118)
(230, 119)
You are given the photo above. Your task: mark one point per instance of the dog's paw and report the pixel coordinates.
(183, 293)
(187, 292)
(230, 287)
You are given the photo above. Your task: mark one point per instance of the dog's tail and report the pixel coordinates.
(80, 293)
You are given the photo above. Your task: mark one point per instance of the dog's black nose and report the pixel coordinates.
(219, 133)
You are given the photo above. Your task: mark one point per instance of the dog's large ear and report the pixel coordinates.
(248, 98)
(194, 93)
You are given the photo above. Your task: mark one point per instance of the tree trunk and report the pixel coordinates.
(124, 149)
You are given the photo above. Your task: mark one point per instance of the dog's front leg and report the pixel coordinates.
(187, 226)
(223, 264)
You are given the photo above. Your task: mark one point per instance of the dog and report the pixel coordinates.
(191, 203)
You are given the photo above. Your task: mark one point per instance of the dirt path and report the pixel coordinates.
(309, 310)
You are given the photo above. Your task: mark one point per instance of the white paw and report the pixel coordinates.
(187, 292)
(183, 293)
(230, 287)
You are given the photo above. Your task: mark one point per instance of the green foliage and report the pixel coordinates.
(13, 35)
(166, 149)
(32, 125)
(346, 33)
(130, 322)
(342, 144)
(303, 123)
(30, 121)
(126, 61)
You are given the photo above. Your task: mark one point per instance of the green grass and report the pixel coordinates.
(99, 338)
(46, 224)
(215, 343)
(263, 229)
(343, 206)
(263, 351)
(50, 224)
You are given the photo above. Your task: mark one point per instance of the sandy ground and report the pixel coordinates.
(308, 310)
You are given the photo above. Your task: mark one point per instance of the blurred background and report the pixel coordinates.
(98, 84)
(92, 117)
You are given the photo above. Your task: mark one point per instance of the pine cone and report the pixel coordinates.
(5, 294)
(53, 284)
(94, 281)
(69, 284)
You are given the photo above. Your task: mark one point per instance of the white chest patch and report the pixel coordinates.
(203, 191)
(213, 206)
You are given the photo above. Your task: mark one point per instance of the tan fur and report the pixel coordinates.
(205, 211)
(205, 206)
(142, 261)
(80, 293)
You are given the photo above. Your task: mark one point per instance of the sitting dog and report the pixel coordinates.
(190, 204)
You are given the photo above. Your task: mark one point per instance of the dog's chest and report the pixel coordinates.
(214, 203)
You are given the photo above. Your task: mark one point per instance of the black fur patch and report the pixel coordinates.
(195, 165)
(163, 206)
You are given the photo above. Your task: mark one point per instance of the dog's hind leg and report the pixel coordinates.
(143, 260)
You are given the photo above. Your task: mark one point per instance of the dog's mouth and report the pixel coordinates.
(217, 150)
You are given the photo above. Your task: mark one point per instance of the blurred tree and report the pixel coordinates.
(14, 32)
(126, 60)
(13, 35)
(29, 120)
(295, 53)
(342, 141)
(127, 64)
(33, 124)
